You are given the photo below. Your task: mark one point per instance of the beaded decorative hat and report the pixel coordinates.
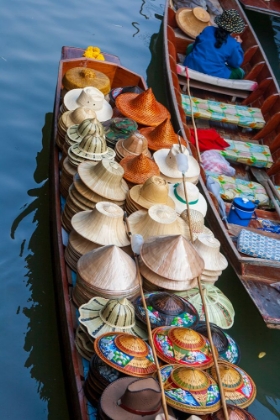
(137, 169)
(127, 353)
(183, 346)
(231, 21)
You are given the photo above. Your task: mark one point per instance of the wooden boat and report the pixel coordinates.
(74, 365)
(255, 274)
(268, 7)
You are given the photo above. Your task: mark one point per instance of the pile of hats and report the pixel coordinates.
(133, 145)
(66, 177)
(169, 263)
(84, 343)
(139, 168)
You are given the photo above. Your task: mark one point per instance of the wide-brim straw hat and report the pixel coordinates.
(192, 21)
(133, 145)
(196, 224)
(161, 136)
(142, 108)
(196, 200)
(173, 257)
(239, 388)
(231, 21)
(104, 178)
(166, 161)
(90, 97)
(159, 220)
(219, 308)
(137, 169)
(76, 116)
(81, 77)
(127, 353)
(193, 391)
(103, 225)
(154, 191)
(101, 316)
(118, 129)
(208, 248)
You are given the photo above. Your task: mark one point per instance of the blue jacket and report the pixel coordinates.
(208, 59)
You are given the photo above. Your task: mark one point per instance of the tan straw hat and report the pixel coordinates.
(81, 77)
(103, 225)
(76, 132)
(133, 145)
(196, 200)
(197, 222)
(208, 248)
(166, 161)
(142, 107)
(77, 116)
(154, 191)
(192, 21)
(161, 136)
(105, 179)
(137, 169)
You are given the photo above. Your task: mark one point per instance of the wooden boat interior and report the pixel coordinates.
(269, 7)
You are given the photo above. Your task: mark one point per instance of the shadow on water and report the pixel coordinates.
(41, 340)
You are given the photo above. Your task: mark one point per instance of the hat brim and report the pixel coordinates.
(110, 153)
(188, 23)
(135, 195)
(124, 152)
(160, 159)
(201, 205)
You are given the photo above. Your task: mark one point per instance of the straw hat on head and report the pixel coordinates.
(104, 178)
(103, 225)
(161, 136)
(137, 169)
(154, 191)
(231, 21)
(81, 77)
(101, 316)
(77, 115)
(192, 21)
(196, 200)
(166, 161)
(142, 107)
(196, 223)
(133, 145)
(208, 248)
(90, 97)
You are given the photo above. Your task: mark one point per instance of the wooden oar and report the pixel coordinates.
(262, 177)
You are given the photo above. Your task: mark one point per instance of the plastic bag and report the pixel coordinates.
(213, 161)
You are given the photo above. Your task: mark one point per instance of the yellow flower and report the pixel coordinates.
(100, 57)
(93, 52)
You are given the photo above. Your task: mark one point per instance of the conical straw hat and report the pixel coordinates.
(103, 225)
(196, 200)
(159, 220)
(219, 307)
(137, 169)
(105, 179)
(161, 136)
(172, 257)
(133, 145)
(208, 248)
(197, 222)
(76, 132)
(192, 21)
(154, 191)
(81, 77)
(101, 316)
(142, 107)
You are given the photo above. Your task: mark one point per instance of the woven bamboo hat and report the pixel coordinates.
(172, 257)
(154, 191)
(90, 97)
(234, 412)
(183, 346)
(196, 200)
(192, 21)
(88, 126)
(105, 179)
(196, 223)
(103, 225)
(159, 220)
(81, 77)
(125, 352)
(166, 309)
(142, 108)
(133, 145)
(239, 388)
(190, 390)
(102, 315)
(118, 129)
(208, 248)
(137, 169)
(161, 136)
(219, 307)
(166, 161)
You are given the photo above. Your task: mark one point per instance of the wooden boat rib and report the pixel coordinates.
(255, 274)
(268, 7)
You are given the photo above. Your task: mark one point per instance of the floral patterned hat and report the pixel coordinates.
(231, 21)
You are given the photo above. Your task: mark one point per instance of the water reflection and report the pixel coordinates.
(41, 339)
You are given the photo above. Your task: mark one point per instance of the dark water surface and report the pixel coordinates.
(31, 36)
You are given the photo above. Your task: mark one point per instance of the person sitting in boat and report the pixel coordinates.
(215, 51)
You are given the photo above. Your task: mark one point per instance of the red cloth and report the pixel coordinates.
(208, 139)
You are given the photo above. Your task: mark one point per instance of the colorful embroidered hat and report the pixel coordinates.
(161, 136)
(127, 353)
(118, 129)
(154, 191)
(231, 21)
(183, 346)
(166, 309)
(81, 77)
(239, 388)
(190, 390)
(101, 315)
(192, 21)
(142, 108)
(196, 200)
(234, 413)
(137, 169)
(133, 145)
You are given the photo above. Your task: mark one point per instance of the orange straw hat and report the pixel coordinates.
(142, 107)
(137, 169)
(162, 136)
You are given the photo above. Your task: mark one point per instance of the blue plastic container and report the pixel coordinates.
(241, 211)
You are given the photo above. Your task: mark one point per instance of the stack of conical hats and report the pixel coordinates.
(154, 191)
(137, 169)
(107, 272)
(133, 145)
(66, 178)
(101, 226)
(169, 263)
